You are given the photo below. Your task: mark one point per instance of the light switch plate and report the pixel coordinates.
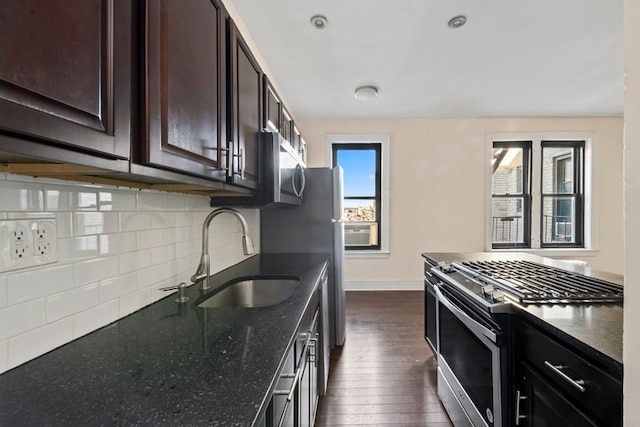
(27, 243)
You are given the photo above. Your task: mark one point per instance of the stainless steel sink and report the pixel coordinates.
(253, 292)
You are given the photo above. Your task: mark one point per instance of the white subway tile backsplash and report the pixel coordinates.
(116, 248)
(4, 355)
(120, 243)
(85, 199)
(21, 196)
(174, 202)
(135, 221)
(134, 261)
(109, 200)
(150, 201)
(150, 276)
(162, 254)
(4, 298)
(150, 238)
(118, 286)
(77, 248)
(59, 198)
(186, 219)
(38, 283)
(96, 223)
(20, 318)
(195, 203)
(163, 219)
(95, 270)
(175, 235)
(73, 301)
(39, 341)
(64, 224)
(95, 318)
(184, 249)
(134, 301)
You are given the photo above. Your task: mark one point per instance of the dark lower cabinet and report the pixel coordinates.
(66, 76)
(558, 385)
(539, 403)
(295, 400)
(185, 87)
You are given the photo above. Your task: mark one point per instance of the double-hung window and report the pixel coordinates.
(364, 160)
(361, 202)
(537, 194)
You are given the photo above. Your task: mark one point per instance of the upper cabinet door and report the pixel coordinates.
(185, 86)
(245, 101)
(286, 129)
(65, 73)
(272, 108)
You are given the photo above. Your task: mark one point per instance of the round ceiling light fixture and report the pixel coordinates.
(457, 21)
(319, 22)
(366, 93)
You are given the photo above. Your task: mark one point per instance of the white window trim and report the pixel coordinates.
(384, 140)
(590, 196)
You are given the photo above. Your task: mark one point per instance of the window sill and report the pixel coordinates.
(367, 254)
(551, 252)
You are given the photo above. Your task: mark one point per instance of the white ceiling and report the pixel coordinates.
(512, 58)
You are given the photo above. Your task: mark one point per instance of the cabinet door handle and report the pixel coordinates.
(241, 162)
(296, 377)
(519, 397)
(579, 384)
(230, 155)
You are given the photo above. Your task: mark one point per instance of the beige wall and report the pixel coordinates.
(438, 175)
(632, 208)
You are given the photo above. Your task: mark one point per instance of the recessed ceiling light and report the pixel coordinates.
(319, 21)
(457, 21)
(366, 93)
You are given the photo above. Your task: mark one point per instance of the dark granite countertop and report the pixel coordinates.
(595, 329)
(168, 363)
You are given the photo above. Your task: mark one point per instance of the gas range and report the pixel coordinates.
(493, 284)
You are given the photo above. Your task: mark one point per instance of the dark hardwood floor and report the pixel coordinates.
(385, 373)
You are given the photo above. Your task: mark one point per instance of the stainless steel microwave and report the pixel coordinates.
(283, 176)
(285, 179)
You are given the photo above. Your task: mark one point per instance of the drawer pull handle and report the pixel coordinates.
(579, 384)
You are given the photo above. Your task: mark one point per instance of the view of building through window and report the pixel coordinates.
(560, 215)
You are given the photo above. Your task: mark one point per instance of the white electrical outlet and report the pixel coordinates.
(18, 242)
(28, 242)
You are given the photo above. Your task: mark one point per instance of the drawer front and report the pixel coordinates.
(572, 375)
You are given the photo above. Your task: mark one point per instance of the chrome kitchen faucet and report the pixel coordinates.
(202, 272)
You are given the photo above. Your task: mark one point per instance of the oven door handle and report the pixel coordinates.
(474, 326)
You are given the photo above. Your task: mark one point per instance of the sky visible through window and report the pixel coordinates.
(359, 172)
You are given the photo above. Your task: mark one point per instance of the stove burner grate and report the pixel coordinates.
(530, 282)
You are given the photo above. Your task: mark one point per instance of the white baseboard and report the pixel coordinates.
(381, 285)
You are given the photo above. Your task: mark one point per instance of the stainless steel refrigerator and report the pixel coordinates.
(314, 227)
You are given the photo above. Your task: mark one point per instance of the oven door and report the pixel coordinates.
(471, 362)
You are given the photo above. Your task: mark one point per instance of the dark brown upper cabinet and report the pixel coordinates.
(295, 140)
(272, 108)
(185, 87)
(245, 113)
(65, 77)
(287, 125)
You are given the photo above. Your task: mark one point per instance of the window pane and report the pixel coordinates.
(558, 220)
(507, 222)
(557, 170)
(359, 210)
(507, 171)
(359, 172)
